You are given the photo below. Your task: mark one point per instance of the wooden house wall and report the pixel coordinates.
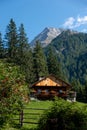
(50, 82)
(50, 87)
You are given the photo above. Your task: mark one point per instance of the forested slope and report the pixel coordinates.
(71, 51)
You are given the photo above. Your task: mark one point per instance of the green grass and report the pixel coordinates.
(31, 104)
(34, 104)
(39, 104)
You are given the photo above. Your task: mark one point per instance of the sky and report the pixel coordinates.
(38, 14)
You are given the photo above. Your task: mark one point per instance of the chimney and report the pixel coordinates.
(40, 78)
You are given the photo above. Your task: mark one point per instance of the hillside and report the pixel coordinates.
(71, 50)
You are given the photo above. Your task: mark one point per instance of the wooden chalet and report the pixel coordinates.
(49, 87)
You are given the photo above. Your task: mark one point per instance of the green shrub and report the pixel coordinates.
(64, 115)
(13, 91)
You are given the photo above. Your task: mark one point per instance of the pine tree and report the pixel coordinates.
(53, 64)
(24, 55)
(40, 64)
(22, 44)
(29, 67)
(85, 92)
(11, 39)
(79, 88)
(1, 47)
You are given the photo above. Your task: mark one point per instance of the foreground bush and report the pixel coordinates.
(13, 91)
(64, 115)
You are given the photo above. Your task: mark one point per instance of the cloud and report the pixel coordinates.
(72, 22)
(69, 22)
(82, 20)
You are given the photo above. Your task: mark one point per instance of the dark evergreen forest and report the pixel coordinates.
(70, 49)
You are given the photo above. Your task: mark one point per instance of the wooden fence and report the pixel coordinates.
(29, 116)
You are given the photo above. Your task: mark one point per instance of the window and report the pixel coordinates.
(60, 91)
(39, 91)
(47, 91)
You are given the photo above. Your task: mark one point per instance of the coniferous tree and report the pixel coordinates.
(24, 55)
(85, 92)
(11, 39)
(1, 47)
(40, 64)
(22, 45)
(53, 64)
(79, 89)
(29, 67)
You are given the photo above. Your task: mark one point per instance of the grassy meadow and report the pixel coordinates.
(27, 116)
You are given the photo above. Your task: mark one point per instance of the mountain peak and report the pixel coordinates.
(46, 36)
